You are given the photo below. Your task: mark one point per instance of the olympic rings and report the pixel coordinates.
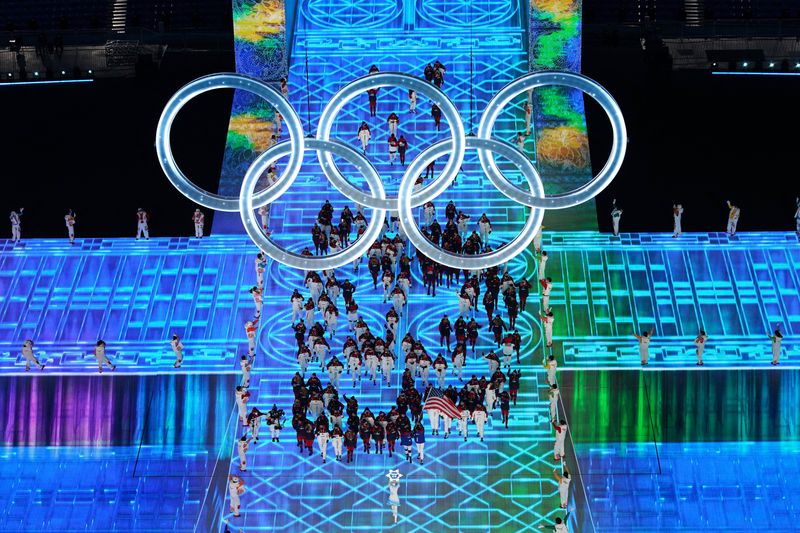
(326, 262)
(479, 261)
(383, 79)
(567, 79)
(406, 198)
(209, 83)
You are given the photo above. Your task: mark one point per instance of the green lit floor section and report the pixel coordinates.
(605, 289)
(687, 451)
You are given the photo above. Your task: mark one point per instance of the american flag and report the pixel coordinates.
(437, 400)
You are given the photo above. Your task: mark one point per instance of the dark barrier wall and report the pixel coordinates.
(695, 139)
(90, 148)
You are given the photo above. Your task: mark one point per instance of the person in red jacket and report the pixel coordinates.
(436, 113)
(402, 146)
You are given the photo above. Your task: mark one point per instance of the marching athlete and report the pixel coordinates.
(323, 435)
(485, 227)
(402, 148)
(364, 136)
(254, 421)
(479, 416)
(419, 439)
(337, 439)
(393, 121)
(436, 113)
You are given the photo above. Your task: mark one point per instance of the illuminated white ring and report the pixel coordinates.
(479, 261)
(567, 79)
(393, 79)
(247, 206)
(224, 81)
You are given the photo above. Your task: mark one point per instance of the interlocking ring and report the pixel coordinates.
(406, 198)
(225, 81)
(582, 194)
(384, 79)
(479, 261)
(247, 205)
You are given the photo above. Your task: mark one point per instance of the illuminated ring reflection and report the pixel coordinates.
(566, 79)
(247, 206)
(224, 81)
(479, 261)
(406, 81)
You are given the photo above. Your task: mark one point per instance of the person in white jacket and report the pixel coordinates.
(700, 346)
(479, 417)
(733, 218)
(677, 213)
(177, 348)
(101, 357)
(644, 345)
(776, 339)
(236, 489)
(364, 136)
(16, 224)
(797, 217)
(29, 356)
(616, 215)
(563, 486)
(199, 220)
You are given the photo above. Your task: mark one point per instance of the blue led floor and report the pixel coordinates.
(709, 486)
(504, 483)
(135, 295)
(129, 453)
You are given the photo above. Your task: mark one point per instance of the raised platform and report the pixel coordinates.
(134, 295)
